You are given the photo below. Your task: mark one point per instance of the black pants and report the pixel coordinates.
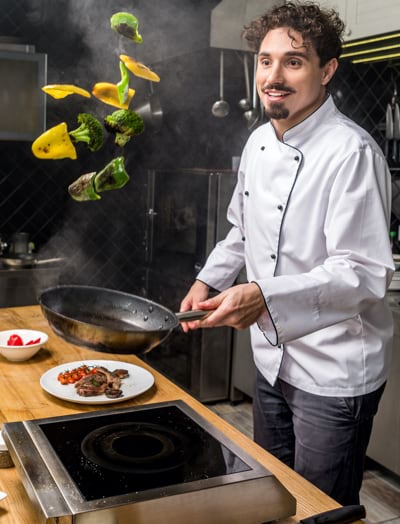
(324, 439)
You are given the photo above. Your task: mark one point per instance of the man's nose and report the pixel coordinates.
(275, 74)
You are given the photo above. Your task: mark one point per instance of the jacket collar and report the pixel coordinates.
(295, 136)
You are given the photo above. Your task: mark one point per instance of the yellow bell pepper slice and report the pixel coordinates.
(108, 93)
(139, 69)
(63, 90)
(54, 144)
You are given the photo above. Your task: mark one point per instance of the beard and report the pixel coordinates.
(277, 112)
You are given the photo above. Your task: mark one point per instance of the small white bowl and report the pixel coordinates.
(20, 353)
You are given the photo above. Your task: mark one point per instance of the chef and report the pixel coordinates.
(310, 218)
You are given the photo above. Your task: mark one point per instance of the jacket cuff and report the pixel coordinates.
(266, 324)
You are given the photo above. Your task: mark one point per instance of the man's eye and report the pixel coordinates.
(294, 63)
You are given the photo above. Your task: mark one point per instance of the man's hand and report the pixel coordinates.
(197, 293)
(237, 307)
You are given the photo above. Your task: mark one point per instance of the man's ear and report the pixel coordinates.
(329, 70)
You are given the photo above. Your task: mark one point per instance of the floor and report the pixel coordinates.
(380, 492)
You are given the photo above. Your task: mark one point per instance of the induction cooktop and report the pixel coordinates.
(145, 464)
(131, 451)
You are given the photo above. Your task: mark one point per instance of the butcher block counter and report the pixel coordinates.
(22, 398)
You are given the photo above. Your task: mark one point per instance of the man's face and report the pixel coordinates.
(290, 81)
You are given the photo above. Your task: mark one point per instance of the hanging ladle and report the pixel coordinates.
(245, 103)
(220, 108)
(252, 116)
(151, 111)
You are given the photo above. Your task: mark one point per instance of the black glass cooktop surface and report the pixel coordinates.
(132, 451)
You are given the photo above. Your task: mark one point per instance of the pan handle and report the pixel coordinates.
(194, 314)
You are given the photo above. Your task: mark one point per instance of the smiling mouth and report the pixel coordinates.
(276, 96)
(277, 92)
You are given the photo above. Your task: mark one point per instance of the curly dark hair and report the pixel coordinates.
(320, 28)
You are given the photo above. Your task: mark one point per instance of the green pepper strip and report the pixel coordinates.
(123, 84)
(113, 176)
(127, 25)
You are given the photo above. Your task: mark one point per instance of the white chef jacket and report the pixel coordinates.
(310, 218)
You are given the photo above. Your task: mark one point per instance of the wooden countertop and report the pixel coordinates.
(22, 398)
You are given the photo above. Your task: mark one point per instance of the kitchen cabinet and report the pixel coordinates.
(365, 18)
(384, 446)
(21, 287)
(228, 19)
(25, 400)
(343, 8)
(243, 366)
(23, 73)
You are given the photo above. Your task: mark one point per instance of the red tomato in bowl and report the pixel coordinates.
(33, 342)
(15, 340)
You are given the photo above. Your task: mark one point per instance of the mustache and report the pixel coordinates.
(279, 87)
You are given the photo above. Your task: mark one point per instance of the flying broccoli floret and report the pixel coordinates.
(124, 124)
(90, 131)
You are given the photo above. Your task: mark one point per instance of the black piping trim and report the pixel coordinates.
(327, 95)
(270, 316)
(287, 203)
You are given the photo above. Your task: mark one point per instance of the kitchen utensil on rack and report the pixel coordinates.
(221, 108)
(20, 244)
(245, 103)
(3, 246)
(151, 111)
(396, 196)
(392, 125)
(396, 131)
(252, 116)
(27, 260)
(110, 320)
(388, 128)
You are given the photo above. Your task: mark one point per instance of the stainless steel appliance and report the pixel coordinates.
(243, 368)
(21, 286)
(145, 464)
(186, 216)
(384, 445)
(23, 73)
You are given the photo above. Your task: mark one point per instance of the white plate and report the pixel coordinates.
(138, 381)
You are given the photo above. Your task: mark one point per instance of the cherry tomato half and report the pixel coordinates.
(33, 342)
(73, 375)
(15, 340)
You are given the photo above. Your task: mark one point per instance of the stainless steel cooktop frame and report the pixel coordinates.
(54, 493)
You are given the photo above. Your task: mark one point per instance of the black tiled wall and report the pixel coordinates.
(103, 241)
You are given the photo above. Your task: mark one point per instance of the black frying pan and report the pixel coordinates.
(109, 320)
